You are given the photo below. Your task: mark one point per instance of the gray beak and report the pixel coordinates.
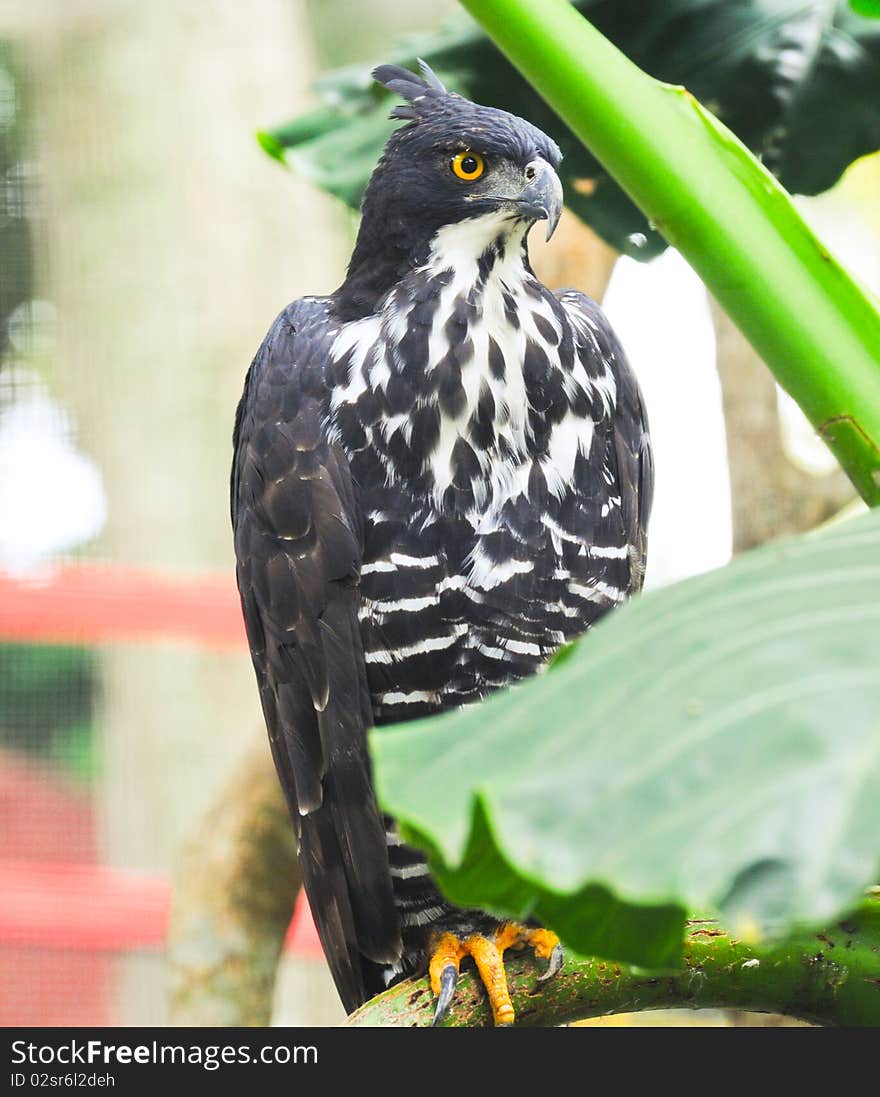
(542, 194)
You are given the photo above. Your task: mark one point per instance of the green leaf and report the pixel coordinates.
(798, 82)
(871, 8)
(271, 145)
(337, 157)
(712, 745)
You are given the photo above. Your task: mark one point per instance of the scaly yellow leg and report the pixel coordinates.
(448, 951)
(489, 959)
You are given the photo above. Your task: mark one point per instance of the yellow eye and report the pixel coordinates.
(467, 166)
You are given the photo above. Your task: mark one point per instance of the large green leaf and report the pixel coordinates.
(798, 82)
(714, 744)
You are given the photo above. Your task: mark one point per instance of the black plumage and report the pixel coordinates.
(441, 473)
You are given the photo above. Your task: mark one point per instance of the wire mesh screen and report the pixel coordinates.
(48, 764)
(138, 273)
(146, 244)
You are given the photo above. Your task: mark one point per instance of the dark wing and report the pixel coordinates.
(298, 545)
(629, 456)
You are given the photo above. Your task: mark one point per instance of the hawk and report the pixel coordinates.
(441, 473)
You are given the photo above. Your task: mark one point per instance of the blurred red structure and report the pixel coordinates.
(92, 603)
(34, 810)
(63, 915)
(91, 908)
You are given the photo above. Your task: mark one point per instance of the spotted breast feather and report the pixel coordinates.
(482, 419)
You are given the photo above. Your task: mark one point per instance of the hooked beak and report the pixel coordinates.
(542, 195)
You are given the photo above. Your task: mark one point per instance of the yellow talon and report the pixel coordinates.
(448, 950)
(543, 942)
(488, 957)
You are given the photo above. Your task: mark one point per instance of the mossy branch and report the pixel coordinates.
(233, 899)
(829, 978)
(238, 879)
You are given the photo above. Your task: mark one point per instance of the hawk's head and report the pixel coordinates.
(457, 160)
(454, 163)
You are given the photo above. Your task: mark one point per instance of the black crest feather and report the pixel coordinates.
(408, 85)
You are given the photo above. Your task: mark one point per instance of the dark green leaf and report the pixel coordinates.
(339, 157)
(798, 82)
(714, 744)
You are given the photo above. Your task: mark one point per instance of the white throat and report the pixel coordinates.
(460, 248)
(505, 309)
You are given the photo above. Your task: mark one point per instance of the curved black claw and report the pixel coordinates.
(554, 965)
(448, 983)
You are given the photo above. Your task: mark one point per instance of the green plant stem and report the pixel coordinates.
(814, 326)
(830, 978)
